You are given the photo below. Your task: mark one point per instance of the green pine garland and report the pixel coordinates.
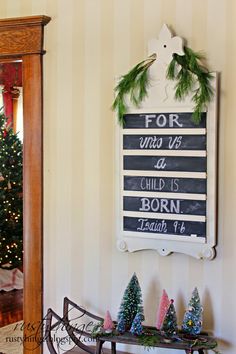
(136, 81)
(190, 73)
(152, 338)
(135, 84)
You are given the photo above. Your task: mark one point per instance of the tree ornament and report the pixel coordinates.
(163, 307)
(169, 326)
(11, 201)
(192, 322)
(131, 303)
(180, 64)
(108, 325)
(136, 327)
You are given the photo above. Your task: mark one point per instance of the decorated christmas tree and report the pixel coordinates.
(192, 322)
(169, 326)
(131, 303)
(108, 325)
(136, 327)
(121, 324)
(11, 202)
(162, 309)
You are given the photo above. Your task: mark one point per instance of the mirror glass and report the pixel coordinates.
(11, 196)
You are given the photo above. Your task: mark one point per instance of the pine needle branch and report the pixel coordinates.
(134, 83)
(191, 72)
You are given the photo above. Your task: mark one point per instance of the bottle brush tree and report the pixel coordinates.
(131, 303)
(192, 322)
(162, 309)
(108, 325)
(136, 327)
(169, 326)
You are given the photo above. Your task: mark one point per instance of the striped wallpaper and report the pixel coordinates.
(89, 43)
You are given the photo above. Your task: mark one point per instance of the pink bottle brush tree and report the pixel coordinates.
(162, 309)
(108, 324)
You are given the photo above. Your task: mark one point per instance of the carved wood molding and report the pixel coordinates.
(22, 39)
(22, 35)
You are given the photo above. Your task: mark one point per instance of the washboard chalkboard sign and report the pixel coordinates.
(166, 164)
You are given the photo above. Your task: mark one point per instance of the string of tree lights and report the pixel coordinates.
(11, 197)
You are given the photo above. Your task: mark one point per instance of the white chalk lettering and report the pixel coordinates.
(150, 142)
(164, 206)
(148, 119)
(145, 204)
(162, 120)
(174, 186)
(154, 226)
(152, 184)
(179, 227)
(175, 206)
(161, 205)
(174, 119)
(175, 143)
(161, 164)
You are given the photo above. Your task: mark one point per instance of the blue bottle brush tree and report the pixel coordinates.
(192, 322)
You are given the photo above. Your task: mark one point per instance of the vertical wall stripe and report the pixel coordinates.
(3, 9)
(25, 6)
(184, 28)
(213, 272)
(13, 8)
(106, 214)
(39, 6)
(78, 142)
(62, 138)
(152, 20)
(121, 39)
(168, 12)
(200, 25)
(91, 149)
(137, 47)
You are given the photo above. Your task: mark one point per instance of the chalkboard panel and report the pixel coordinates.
(162, 121)
(168, 163)
(165, 142)
(164, 226)
(164, 205)
(165, 184)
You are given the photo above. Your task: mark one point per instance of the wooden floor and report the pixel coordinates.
(11, 307)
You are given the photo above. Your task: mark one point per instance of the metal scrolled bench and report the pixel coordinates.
(74, 333)
(203, 342)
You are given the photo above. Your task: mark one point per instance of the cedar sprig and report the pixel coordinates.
(134, 83)
(191, 72)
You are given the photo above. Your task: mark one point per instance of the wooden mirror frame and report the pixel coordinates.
(22, 38)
